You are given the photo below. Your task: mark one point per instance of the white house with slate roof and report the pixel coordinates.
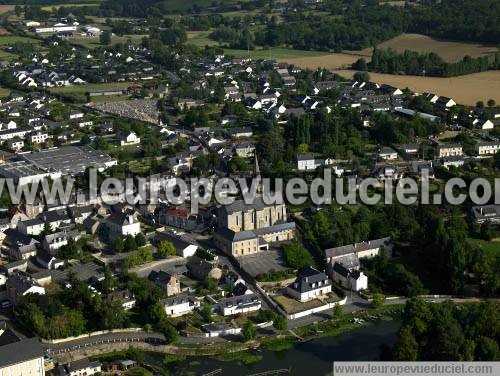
(364, 249)
(179, 305)
(123, 224)
(310, 284)
(235, 305)
(20, 356)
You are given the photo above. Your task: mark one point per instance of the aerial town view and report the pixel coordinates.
(249, 187)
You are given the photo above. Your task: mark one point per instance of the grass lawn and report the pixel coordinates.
(139, 166)
(93, 42)
(293, 306)
(274, 53)
(200, 38)
(82, 89)
(82, 3)
(4, 91)
(11, 39)
(489, 246)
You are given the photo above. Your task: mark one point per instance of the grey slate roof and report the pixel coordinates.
(21, 351)
(307, 277)
(353, 248)
(240, 206)
(233, 236)
(275, 228)
(241, 300)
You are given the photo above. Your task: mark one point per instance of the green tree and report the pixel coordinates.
(105, 38)
(280, 323)
(140, 240)
(206, 312)
(134, 353)
(378, 300)
(406, 348)
(487, 349)
(47, 229)
(130, 244)
(119, 245)
(337, 311)
(491, 103)
(170, 333)
(249, 332)
(166, 248)
(296, 256)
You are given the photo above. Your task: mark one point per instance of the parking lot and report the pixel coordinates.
(263, 262)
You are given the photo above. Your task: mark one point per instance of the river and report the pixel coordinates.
(310, 358)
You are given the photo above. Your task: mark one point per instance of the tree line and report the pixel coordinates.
(425, 64)
(447, 332)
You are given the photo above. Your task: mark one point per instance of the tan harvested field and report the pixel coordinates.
(449, 51)
(329, 61)
(464, 89)
(6, 8)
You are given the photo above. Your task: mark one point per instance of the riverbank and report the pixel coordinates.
(251, 352)
(314, 356)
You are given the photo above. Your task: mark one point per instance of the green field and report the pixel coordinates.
(11, 39)
(4, 91)
(200, 38)
(92, 43)
(82, 89)
(183, 5)
(83, 3)
(274, 53)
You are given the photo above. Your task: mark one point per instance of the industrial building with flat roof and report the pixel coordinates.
(69, 160)
(23, 172)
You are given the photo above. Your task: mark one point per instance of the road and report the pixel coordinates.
(132, 337)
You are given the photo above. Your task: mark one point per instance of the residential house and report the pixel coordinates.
(409, 148)
(19, 285)
(20, 356)
(19, 246)
(83, 367)
(200, 269)
(306, 163)
(448, 150)
(387, 153)
(15, 144)
(16, 266)
(363, 249)
(168, 282)
(239, 304)
(349, 278)
(128, 139)
(219, 330)
(179, 305)
(52, 242)
(48, 261)
(240, 132)
(126, 298)
(445, 103)
(184, 248)
(123, 224)
(310, 284)
(486, 213)
(488, 148)
(177, 217)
